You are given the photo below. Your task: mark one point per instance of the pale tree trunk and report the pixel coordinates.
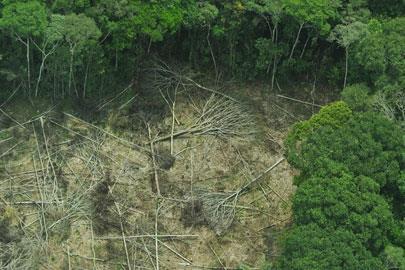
(346, 66)
(296, 41)
(269, 26)
(272, 39)
(273, 76)
(305, 46)
(27, 47)
(268, 67)
(39, 75)
(72, 51)
(212, 53)
(85, 79)
(41, 68)
(28, 65)
(231, 56)
(116, 60)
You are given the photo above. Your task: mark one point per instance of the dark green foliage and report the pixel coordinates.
(311, 247)
(367, 145)
(387, 7)
(384, 40)
(78, 30)
(349, 206)
(348, 203)
(267, 51)
(274, 40)
(357, 97)
(24, 18)
(334, 115)
(137, 18)
(315, 12)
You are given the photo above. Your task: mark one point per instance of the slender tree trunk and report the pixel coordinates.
(269, 26)
(116, 60)
(231, 54)
(85, 80)
(212, 53)
(268, 67)
(44, 56)
(305, 46)
(296, 41)
(41, 68)
(54, 81)
(75, 84)
(63, 83)
(71, 67)
(346, 67)
(273, 76)
(28, 66)
(149, 45)
(272, 33)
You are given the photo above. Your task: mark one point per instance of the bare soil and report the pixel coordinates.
(74, 189)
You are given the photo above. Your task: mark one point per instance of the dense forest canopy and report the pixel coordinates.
(75, 46)
(347, 211)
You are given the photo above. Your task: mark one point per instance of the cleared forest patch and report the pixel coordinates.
(203, 185)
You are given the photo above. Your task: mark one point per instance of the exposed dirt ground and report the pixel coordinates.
(84, 196)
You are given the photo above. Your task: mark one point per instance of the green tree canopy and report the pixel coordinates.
(357, 97)
(78, 29)
(314, 12)
(381, 52)
(367, 145)
(333, 115)
(311, 247)
(151, 19)
(347, 202)
(351, 182)
(24, 18)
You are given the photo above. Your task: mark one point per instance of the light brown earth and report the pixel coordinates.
(50, 179)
